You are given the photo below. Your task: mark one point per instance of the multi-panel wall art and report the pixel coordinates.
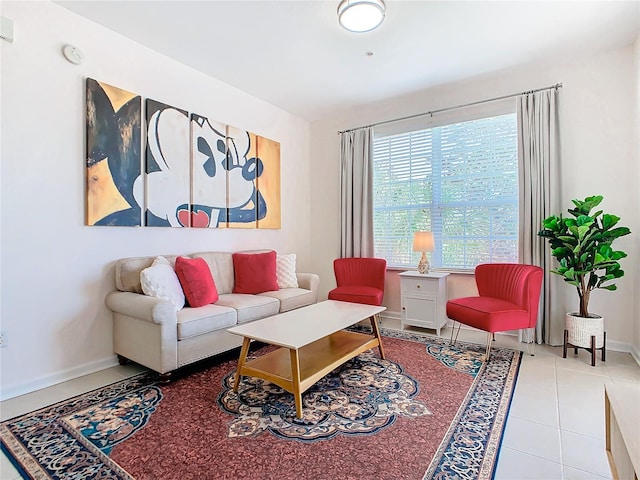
(168, 192)
(113, 155)
(199, 172)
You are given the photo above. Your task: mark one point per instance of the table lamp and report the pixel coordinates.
(423, 242)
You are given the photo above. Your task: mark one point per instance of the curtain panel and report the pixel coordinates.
(539, 182)
(356, 193)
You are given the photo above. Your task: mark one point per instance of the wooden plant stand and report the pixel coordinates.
(592, 349)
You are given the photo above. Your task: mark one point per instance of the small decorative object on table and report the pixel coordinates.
(582, 245)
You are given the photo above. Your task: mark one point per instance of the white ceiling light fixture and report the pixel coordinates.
(361, 15)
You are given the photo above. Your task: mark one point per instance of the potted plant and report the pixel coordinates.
(582, 245)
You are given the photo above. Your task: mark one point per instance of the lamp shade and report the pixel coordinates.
(423, 242)
(361, 15)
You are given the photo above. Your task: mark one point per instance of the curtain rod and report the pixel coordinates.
(431, 112)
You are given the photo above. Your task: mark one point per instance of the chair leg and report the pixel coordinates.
(531, 341)
(487, 351)
(453, 327)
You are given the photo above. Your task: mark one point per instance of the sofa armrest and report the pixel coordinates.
(143, 307)
(309, 281)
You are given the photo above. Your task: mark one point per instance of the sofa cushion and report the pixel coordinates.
(255, 272)
(160, 281)
(250, 307)
(196, 280)
(128, 272)
(286, 271)
(291, 298)
(357, 294)
(221, 266)
(205, 319)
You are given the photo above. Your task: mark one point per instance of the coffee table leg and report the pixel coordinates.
(243, 357)
(295, 380)
(376, 333)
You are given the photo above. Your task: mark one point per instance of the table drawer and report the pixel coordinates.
(419, 285)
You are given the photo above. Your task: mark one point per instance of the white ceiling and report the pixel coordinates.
(293, 54)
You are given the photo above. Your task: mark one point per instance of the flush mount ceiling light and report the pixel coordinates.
(361, 15)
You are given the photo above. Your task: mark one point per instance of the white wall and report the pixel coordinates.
(56, 271)
(636, 336)
(599, 156)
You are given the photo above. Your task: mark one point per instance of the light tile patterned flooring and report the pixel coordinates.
(555, 428)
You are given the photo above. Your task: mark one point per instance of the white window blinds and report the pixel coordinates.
(459, 181)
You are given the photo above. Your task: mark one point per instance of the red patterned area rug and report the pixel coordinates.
(430, 410)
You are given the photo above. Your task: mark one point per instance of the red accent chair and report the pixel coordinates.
(359, 280)
(508, 298)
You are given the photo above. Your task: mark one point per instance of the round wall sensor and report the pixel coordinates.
(73, 54)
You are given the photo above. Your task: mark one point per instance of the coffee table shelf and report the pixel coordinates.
(316, 359)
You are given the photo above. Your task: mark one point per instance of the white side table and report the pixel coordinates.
(423, 299)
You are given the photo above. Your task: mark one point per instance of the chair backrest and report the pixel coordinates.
(513, 282)
(367, 272)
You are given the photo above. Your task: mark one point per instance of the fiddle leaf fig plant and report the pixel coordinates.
(582, 245)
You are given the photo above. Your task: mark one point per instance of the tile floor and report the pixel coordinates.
(555, 428)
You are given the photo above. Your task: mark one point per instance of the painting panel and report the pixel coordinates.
(268, 151)
(168, 166)
(113, 160)
(243, 169)
(208, 173)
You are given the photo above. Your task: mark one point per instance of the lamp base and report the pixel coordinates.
(423, 264)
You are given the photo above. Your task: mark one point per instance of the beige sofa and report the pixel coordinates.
(150, 332)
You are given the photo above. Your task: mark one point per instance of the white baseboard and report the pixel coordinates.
(18, 389)
(391, 315)
(635, 353)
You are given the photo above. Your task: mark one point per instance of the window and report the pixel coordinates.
(459, 180)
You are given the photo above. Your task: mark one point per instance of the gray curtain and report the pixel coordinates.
(356, 193)
(539, 172)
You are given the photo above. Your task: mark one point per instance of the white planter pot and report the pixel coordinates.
(582, 328)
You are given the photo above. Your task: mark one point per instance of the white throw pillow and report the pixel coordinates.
(160, 281)
(286, 271)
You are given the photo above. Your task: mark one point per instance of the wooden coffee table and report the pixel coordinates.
(312, 342)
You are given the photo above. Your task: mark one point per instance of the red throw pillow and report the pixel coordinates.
(196, 280)
(255, 272)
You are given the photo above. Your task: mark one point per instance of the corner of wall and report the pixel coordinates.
(636, 56)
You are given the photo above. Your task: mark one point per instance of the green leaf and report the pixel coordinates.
(618, 273)
(550, 223)
(617, 232)
(560, 252)
(609, 221)
(582, 231)
(584, 220)
(617, 255)
(591, 202)
(568, 240)
(605, 250)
